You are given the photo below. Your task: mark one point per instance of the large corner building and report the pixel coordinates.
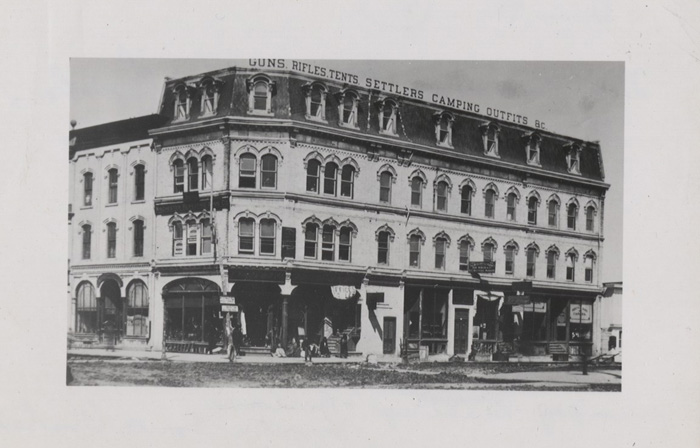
(307, 207)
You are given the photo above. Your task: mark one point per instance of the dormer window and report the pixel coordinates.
(388, 117)
(443, 129)
(315, 102)
(348, 109)
(183, 102)
(533, 149)
(260, 90)
(490, 137)
(573, 158)
(210, 88)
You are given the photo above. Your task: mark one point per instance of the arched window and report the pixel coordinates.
(87, 241)
(207, 173)
(531, 254)
(111, 240)
(509, 251)
(512, 200)
(464, 252)
(246, 235)
(345, 244)
(589, 262)
(113, 176)
(268, 168)
(490, 203)
(268, 231)
(310, 240)
(385, 181)
(316, 102)
(383, 247)
(210, 96)
(416, 191)
(328, 243)
(139, 182)
(441, 199)
(193, 174)
(414, 244)
(313, 170)
(571, 215)
(388, 118)
(590, 218)
(330, 177)
(192, 237)
(260, 96)
(488, 250)
(490, 139)
(179, 176)
(182, 103)
(532, 210)
(552, 256)
(206, 237)
(138, 238)
(443, 130)
(553, 213)
(467, 193)
(177, 239)
(87, 189)
(571, 267)
(137, 310)
(347, 181)
(246, 170)
(440, 251)
(86, 309)
(349, 110)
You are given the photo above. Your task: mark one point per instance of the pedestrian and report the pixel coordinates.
(323, 349)
(232, 345)
(212, 339)
(306, 347)
(237, 340)
(344, 346)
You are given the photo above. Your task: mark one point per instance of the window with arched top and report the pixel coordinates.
(182, 102)
(315, 102)
(246, 171)
(532, 205)
(207, 173)
(86, 309)
(111, 240)
(571, 266)
(192, 237)
(87, 241)
(590, 218)
(589, 260)
(137, 310)
(206, 237)
(178, 176)
(328, 243)
(416, 191)
(414, 244)
(313, 174)
(441, 196)
(178, 244)
(138, 237)
(388, 117)
(383, 239)
(345, 244)
(310, 240)
(511, 202)
(260, 96)
(553, 213)
(571, 216)
(464, 254)
(193, 174)
(268, 171)
(531, 259)
(349, 109)
(509, 251)
(488, 249)
(246, 235)
(330, 178)
(210, 96)
(87, 189)
(268, 234)
(347, 181)
(385, 181)
(552, 256)
(467, 193)
(490, 203)
(443, 129)
(440, 252)
(113, 179)
(139, 182)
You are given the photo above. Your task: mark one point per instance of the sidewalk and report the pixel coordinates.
(558, 377)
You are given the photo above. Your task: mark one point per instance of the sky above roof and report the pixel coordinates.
(584, 100)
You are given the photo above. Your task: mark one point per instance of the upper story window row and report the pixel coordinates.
(192, 171)
(112, 184)
(207, 91)
(110, 229)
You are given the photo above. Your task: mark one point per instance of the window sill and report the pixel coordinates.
(260, 113)
(113, 204)
(316, 119)
(138, 201)
(86, 207)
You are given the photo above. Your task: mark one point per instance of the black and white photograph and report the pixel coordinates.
(336, 223)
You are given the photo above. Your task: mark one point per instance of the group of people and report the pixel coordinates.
(309, 349)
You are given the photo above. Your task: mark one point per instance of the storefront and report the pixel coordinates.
(426, 318)
(192, 314)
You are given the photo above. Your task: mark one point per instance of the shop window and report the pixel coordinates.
(466, 205)
(206, 239)
(486, 319)
(416, 191)
(571, 215)
(580, 321)
(553, 213)
(191, 310)
(192, 237)
(87, 241)
(388, 118)
(347, 179)
(509, 252)
(207, 173)
(111, 240)
(179, 176)
(531, 255)
(315, 102)
(137, 310)
(193, 174)
(86, 309)
(532, 205)
(414, 251)
(310, 240)
(551, 264)
(511, 200)
(246, 235)
(177, 239)
(328, 243)
(534, 320)
(87, 189)
(490, 197)
(383, 248)
(139, 182)
(441, 204)
(434, 319)
(113, 178)
(313, 171)
(330, 178)
(268, 231)
(345, 244)
(247, 168)
(440, 250)
(349, 110)
(138, 238)
(464, 252)
(571, 267)
(385, 181)
(590, 218)
(268, 168)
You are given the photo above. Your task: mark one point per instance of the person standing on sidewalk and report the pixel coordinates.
(344, 346)
(306, 347)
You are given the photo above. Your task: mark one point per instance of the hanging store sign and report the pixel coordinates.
(482, 267)
(517, 300)
(343, 292)
(581, 314)
(224, 300)
(229, 308)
